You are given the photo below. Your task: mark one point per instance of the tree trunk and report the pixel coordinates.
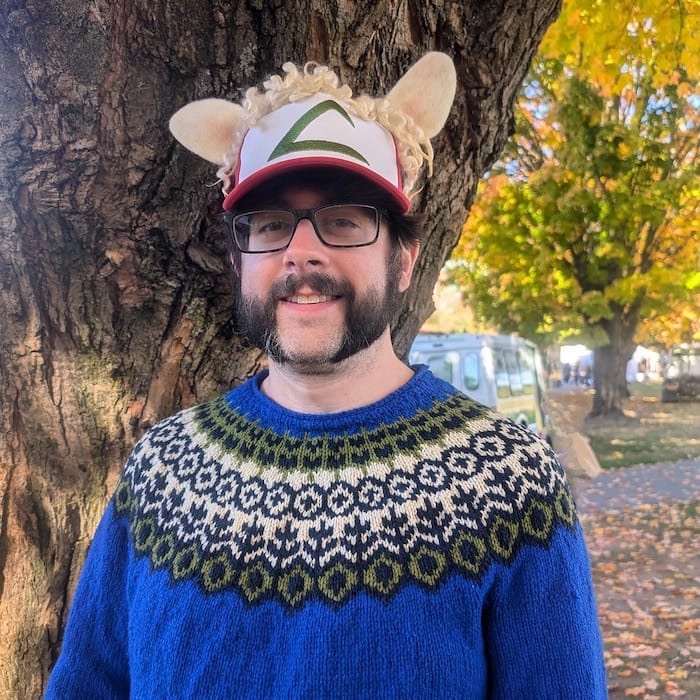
(610, 364)
(115, 307)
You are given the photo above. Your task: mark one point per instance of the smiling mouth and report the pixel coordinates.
(309, 298)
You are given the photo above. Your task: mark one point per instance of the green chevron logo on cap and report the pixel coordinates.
(289, 144)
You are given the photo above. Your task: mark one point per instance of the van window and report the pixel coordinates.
(501, 374)
(516, 384)
(444, 365)
(470, 370)
(526, 362)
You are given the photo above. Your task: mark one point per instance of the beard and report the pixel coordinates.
(366, 316)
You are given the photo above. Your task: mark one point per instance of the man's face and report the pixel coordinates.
(311, 306)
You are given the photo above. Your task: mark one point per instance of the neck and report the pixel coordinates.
(360, 380)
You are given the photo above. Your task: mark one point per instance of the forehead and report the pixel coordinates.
(295, 197)
(304, 198)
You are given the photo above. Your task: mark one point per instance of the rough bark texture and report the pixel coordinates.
(114, 300)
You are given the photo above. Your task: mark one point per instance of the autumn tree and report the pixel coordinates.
(115, 307)
(589, 223)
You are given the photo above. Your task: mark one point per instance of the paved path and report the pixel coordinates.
(630, 487)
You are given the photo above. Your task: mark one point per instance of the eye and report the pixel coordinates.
(344, 217)
(343, 223)
(269, 223)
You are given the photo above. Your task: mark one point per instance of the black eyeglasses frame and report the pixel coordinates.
(300, 215)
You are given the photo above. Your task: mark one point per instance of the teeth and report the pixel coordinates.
(311, 299)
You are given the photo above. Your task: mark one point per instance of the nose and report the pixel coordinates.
(305, 248)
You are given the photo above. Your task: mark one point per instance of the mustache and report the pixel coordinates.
(321, 283)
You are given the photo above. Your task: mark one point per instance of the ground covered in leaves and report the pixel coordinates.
(646, 571)
(642, 526)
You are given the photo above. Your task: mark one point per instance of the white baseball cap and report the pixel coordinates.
(317, 132)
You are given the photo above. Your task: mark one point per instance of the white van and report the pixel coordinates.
(682, 373)
(500, 371)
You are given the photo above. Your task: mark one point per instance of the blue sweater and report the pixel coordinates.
(420, 547)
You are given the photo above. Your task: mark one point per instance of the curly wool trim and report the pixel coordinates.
(414, 147)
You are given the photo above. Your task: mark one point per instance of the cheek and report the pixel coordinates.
(251, 276)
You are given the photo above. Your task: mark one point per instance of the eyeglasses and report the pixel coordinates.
(336, 225)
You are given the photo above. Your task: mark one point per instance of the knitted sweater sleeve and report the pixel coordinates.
(93, 661)
(542, 634)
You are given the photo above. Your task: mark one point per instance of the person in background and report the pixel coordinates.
(341, 525)
(566, 372)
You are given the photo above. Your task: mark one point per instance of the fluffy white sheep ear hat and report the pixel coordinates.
(308, 119)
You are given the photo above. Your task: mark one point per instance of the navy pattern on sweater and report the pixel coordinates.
(421, 498)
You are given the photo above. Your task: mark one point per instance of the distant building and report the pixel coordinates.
(644, 364)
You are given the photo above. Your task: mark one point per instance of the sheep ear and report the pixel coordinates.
(206, 127)
(426, 91)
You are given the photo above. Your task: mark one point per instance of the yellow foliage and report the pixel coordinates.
(685, 90)
(616, 39)
(596, 210)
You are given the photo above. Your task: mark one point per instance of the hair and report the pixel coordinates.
(413, 146)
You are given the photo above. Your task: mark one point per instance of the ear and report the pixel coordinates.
(426, 91)
(206, 127)
(409, 255)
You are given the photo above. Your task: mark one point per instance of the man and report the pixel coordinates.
(342, 525)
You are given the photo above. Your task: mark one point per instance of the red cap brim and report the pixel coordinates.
(298, 164)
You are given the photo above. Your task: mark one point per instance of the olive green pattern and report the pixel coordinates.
(214, 498)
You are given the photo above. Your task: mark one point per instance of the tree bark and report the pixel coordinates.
(610, 362)
(115, 306)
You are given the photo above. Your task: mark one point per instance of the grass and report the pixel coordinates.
(649, 433)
